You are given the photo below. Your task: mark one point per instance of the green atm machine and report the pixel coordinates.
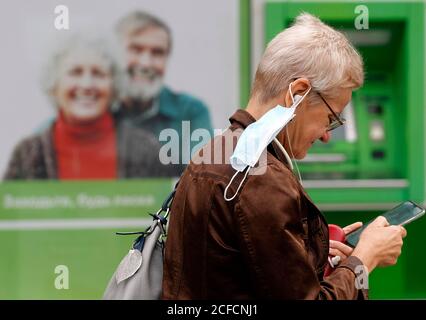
(377, 159)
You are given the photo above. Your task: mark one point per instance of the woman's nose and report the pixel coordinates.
(86, 81)
(326, 137)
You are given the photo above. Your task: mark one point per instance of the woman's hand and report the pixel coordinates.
(380, 244)
(340, 249)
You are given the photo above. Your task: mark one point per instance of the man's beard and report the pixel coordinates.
(145, 88)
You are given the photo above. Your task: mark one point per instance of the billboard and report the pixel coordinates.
(93, 93)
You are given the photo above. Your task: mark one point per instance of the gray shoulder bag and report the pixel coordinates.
(139, 275)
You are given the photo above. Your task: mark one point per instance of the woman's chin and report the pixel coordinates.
(299, 155)
(85, 112)
(83, 117)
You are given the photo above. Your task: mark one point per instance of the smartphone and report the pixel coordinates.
(402, 214)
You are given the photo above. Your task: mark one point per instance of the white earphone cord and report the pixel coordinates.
(285, 153)
(290, 162)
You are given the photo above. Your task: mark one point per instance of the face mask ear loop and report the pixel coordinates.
(291, 93)
(301, 99)
(291, 151)
(238, 189)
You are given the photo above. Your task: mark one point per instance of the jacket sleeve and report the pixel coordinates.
(270, 232)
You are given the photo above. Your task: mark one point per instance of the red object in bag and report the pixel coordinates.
(337, 234)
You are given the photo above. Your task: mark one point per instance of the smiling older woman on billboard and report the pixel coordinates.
(84, 142)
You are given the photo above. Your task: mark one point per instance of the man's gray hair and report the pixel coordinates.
(138, 20)
(310, 49)
(64, 47)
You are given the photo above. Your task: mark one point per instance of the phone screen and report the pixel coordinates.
(400, 215)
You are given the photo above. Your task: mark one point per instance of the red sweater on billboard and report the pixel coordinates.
(86, 151)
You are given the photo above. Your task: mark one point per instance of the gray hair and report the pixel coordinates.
(50, 75)
(138, 20)
(310, 49)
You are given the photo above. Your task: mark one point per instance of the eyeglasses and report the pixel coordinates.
(337, 121)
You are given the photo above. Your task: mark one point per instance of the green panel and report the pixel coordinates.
(55, 199)
(90, 252)
(245, 49)
(275, 23)
(414, 249)
(29, 260)
(353, 195)
(416, 100)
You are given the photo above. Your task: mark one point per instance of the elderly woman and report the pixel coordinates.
(84, 142)
(241, 231)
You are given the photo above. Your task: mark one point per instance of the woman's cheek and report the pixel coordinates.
(106, 94)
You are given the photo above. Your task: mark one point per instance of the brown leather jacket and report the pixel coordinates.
(270, 242)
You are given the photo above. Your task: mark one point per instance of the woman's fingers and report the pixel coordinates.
(335, 252)
(352, 227)
(340, 249)
(403, 232)
(346, 250)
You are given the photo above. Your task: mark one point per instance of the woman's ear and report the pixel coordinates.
(298, 87)
(288, 101)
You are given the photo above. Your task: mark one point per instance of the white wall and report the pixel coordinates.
(204, 60)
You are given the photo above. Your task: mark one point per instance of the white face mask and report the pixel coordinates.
(258, 135)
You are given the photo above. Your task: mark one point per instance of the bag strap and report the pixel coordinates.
(168, 201)
(165, 207)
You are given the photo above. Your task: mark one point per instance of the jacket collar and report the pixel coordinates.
(241, 119)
